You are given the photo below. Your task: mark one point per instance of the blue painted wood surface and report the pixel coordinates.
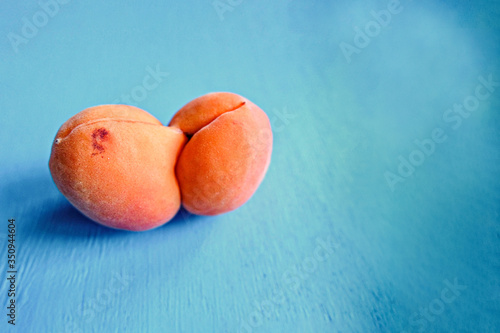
(327, 243)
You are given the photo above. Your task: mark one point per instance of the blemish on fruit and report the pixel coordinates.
(98, 136)
(237, 107)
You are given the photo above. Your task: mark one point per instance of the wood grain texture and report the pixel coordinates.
(324, 245)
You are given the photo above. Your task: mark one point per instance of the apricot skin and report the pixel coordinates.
(228, 154)
(115, 164)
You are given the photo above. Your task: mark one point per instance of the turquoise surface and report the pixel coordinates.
(380, 209)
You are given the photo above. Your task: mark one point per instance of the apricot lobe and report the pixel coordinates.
(226, 158)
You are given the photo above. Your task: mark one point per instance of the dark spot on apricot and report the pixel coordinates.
(100, 132)
(237, 107)
(98, 136)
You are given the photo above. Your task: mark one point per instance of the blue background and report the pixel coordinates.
(325, 244)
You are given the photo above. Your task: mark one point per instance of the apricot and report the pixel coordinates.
(115, 163)
(122, 168)
(228, 153)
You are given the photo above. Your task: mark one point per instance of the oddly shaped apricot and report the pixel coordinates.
(115, 163)
(227, 155)
(122, 168)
